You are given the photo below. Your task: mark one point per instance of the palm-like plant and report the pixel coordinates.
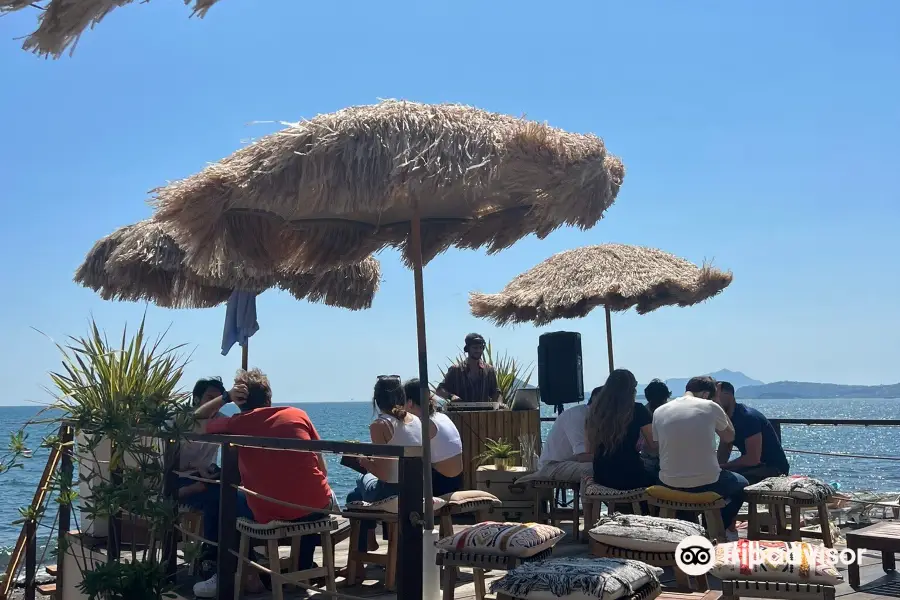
(125, 396)
(499, 451)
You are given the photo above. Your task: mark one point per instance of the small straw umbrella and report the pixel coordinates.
(62, 22)
(616, 276)
(141, 262)
(423, 178)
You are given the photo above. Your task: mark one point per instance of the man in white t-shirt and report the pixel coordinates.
(566, 440)
(686, 430)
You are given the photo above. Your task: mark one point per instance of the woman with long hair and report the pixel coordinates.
(614, 425)
(393, 426)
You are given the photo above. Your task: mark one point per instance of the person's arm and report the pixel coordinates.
(494, 387)
(724, 428)
(644, 421)
(650, 444)
(752, 454)
(238, 395)
(578, 440)
(380, 432)
(446, 389)
(724, 452)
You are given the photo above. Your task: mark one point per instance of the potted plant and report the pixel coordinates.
(126, 409)
(500, 452)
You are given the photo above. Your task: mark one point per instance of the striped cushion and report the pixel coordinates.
(800, 487)
(469, 500)
(568, 471)
(512, 539)
(591, 488)
(580, 579)
(281, 529)
(641, 532)
(388, 505)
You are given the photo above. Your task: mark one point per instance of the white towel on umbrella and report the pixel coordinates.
(240, 320)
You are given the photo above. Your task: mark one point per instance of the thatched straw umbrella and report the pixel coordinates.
(141, 262)
(61, 22)
(616, 276)
(423, 178)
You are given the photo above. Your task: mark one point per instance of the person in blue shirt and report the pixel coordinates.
(761, 453)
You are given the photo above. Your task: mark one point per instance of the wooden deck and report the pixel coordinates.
(875, 583)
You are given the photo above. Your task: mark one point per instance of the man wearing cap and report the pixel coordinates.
(472, 379)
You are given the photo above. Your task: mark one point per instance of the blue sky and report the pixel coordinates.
(762, 136)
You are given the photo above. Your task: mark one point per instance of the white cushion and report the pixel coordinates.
(505, 539)
(802, 488)
(577, 579)
(567, 471)
(388, 505)
(644, 533)
(792, 562)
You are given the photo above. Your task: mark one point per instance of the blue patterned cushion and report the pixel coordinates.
(578, 579)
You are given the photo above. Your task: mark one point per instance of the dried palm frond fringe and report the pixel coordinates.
(62, 22)
(141, 262)
(333, 189)
(572, 283)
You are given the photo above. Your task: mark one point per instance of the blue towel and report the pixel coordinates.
(240, 320)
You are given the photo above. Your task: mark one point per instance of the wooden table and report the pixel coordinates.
(883, 536)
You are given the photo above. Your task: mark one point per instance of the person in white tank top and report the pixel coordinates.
(446, 443)
(393, 426)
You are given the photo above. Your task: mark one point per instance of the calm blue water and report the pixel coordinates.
(349, 421)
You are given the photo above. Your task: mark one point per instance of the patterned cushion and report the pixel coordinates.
(388, 505)
(800, 487)
(578, 579)
(564, 472)
(639, 532)
(793, 562)
(666, 493)
(276, 530)
(469, 500)
(512, 539)
(591, 488)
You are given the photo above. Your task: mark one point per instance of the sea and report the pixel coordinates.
(350, 421)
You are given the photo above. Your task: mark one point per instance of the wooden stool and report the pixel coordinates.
(557, 513)
(480, 564)
(778, 590)
(778, 528)
(190, 521)
(356, 557)
(709, 504)
(656, 559)
(271, 533)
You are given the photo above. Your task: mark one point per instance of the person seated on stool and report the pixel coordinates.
(446, 443)
(472, 379)
(566, 440)
(685, 429)
(761, 453)
(198, 458)
(657, 393)
(614, 425)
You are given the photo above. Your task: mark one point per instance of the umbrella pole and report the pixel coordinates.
(244, 349)
(609, 349)
(431, 573)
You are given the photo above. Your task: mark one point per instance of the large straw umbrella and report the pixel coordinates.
(61, 22)
(616, 276)
(141, 262)
(331, 190)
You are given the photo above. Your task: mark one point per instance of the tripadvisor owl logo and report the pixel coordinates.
(694, 555)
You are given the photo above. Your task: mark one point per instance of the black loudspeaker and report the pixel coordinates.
(560, 370)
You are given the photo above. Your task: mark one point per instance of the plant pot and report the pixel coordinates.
(501, 464)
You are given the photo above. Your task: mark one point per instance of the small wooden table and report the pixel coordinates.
(883, 536)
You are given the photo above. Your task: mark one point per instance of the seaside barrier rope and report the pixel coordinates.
(842, 455)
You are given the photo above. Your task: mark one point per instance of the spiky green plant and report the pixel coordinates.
(125, 394)
(508, 369)
(495, 449)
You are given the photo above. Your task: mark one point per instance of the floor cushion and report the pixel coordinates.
(802, 488)
(645, 533)
(577, 579)
(470, 499)
(793, 562)
(508, 539)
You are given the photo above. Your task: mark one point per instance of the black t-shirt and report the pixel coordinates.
(748, 422)
(622, 468)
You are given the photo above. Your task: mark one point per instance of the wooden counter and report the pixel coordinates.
(476, 426)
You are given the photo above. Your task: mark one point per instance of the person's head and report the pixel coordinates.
(725, 396)
(595, 393)
(207, 389)
(474, 346)
(259, 391)
(702, 387)
(413, 393)
(657, 393)
(611, 412)
(389, 397)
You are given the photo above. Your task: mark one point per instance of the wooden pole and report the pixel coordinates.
(228, 541)
(244, 348)
(410, 567)
(609, 348)
(30, 559)
(415, 250)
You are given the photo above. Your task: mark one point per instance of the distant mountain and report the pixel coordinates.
(802, 389)
(735, 378)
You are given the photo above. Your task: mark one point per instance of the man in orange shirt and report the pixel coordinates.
(295, 477)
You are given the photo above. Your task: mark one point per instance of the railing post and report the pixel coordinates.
(227, 562)
(776, 425)
(30, 558)
(410, 514)
(67, 474)
(170, 492)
